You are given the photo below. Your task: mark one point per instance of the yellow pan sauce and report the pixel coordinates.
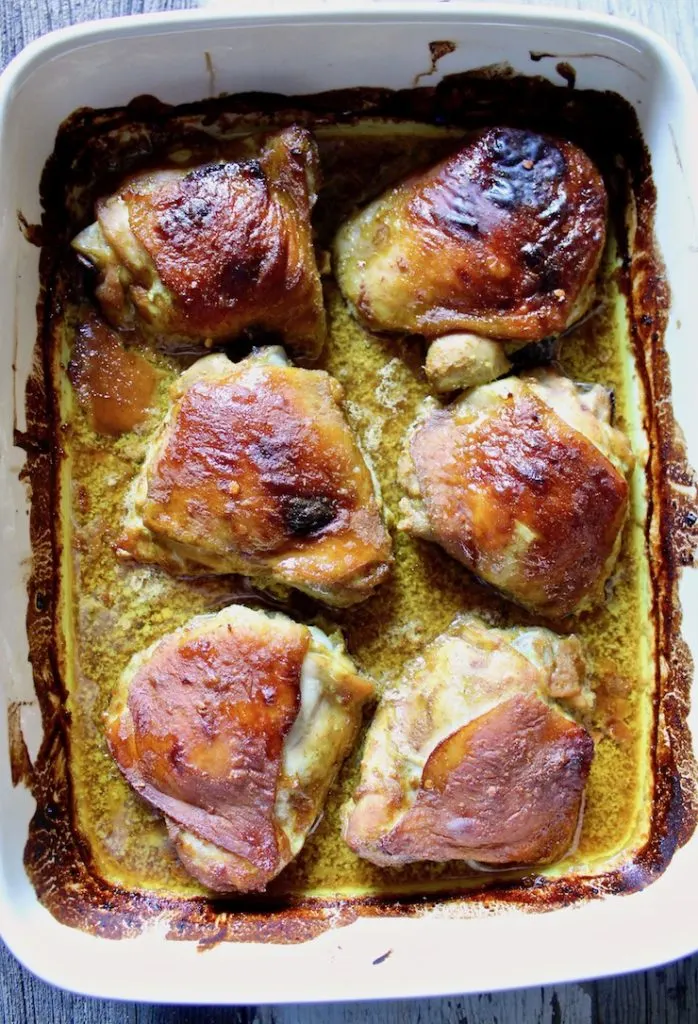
(111, 610)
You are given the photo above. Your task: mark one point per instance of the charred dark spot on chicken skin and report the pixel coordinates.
(533, 255)
(235, 277)
(192, 213)
(543, 265)
(304, 515)
(271, 454)
(461, 213)
(526, 168)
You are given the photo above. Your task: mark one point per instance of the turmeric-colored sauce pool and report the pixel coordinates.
(111, 609)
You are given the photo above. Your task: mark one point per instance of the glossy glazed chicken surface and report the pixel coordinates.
(501, 240)
(256, 471)
(205, 253)
(469, 757)
(234, 726)
(524, 481)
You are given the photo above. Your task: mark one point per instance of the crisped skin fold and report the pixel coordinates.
(235, 726)
(203, 254)
(502, 240)
(524, 481)
(468, 758)
(256, 471)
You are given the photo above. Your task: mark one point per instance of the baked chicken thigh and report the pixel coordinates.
(204, 253)
(256, 471)
(235, 726)
(469, 758)
(524, 481)
(499, 243)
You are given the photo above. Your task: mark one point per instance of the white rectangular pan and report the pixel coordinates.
(296, 47)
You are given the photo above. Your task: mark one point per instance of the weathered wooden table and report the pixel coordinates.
(665, 996)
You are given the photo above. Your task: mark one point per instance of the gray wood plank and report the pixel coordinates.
(665, 996)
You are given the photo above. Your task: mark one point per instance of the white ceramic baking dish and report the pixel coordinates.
(304, 47)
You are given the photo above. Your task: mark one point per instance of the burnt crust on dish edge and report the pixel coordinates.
(57, 858)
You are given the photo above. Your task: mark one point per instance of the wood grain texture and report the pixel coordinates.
(665, 996)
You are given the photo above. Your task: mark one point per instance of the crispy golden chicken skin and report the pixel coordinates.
(468, 758)
(524, 481)
(501, 240)
(208, 252)
(235, 726)
(256, 471)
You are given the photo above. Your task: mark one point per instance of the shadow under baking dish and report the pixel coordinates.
(98, 856)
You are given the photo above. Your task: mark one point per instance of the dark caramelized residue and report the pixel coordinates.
(112, 885)
(438, 49)
(20, 762)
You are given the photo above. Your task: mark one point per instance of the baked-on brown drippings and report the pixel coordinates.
(438, 49)
(99, 858)
(20, 762)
